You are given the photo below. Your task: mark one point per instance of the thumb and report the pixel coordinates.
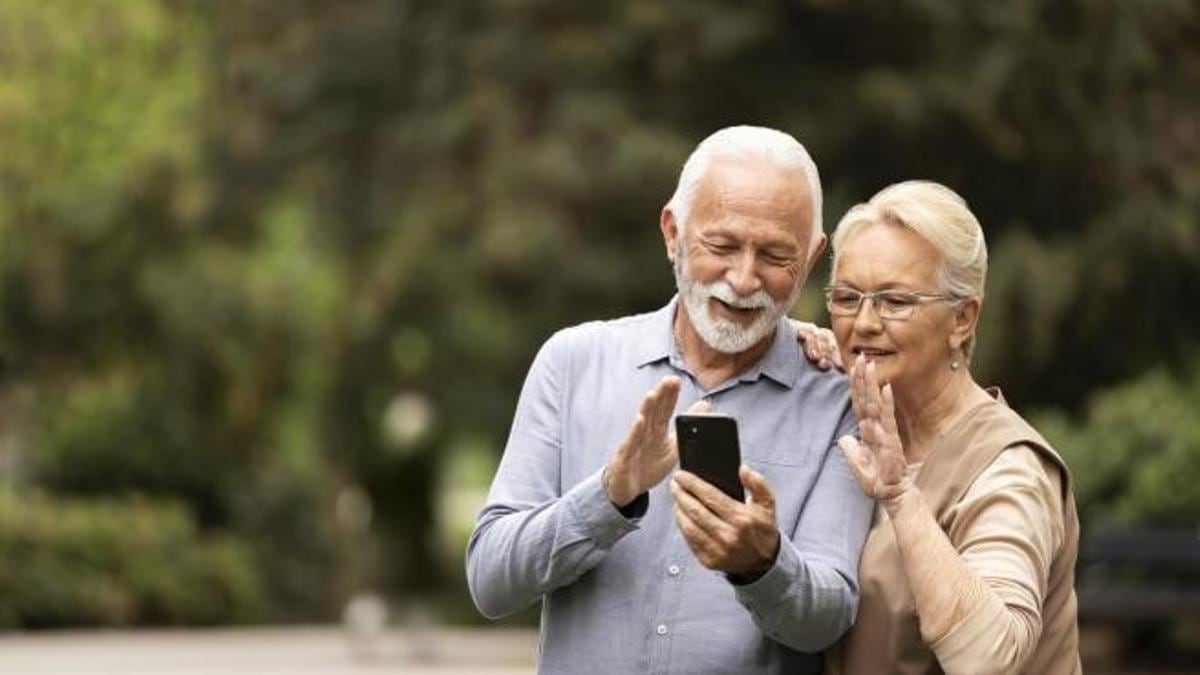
(700, 407)
(858, 461)
(758, 492)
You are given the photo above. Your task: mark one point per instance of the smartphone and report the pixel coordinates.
(708, 447)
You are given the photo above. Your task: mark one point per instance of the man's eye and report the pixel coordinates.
(844, 298)
(722, 248)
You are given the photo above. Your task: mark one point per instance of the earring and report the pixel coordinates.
(954, 365)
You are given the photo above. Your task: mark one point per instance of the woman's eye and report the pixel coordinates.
(896, 300)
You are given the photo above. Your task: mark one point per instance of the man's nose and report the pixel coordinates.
(743, 274)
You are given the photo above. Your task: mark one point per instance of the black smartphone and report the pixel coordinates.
(708, 447)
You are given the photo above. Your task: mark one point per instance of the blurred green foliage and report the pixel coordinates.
(280, 263)
(1136, 452)
(118, 563)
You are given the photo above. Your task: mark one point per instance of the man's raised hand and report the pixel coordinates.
(648, 452)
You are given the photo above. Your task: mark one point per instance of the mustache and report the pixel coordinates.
(722, 291)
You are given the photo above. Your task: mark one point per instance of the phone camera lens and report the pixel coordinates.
(695, 429)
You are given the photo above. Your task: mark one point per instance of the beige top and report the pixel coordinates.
(1012, 521)
(1006, 528)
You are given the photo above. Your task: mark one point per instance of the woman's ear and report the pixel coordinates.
(966, 317)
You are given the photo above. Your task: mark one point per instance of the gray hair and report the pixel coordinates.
(941, 217)
(775, 146)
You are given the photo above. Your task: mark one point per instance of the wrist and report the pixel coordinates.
(755, 572)
(619, 493)
(906, 498)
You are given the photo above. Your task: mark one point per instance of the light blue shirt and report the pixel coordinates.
(626, 595)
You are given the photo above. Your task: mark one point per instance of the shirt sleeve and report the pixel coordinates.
(1008, 529)
(809, 598)
(531, 537)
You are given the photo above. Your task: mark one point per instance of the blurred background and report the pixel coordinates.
(272, 271)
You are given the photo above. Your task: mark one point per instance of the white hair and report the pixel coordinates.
(941, 217)
(774, 146)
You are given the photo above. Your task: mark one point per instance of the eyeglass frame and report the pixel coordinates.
(918, 299)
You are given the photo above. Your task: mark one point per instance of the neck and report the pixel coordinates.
(924, 414)
(710, 366)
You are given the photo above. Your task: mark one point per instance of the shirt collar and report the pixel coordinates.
(781, 362)
(657, 343)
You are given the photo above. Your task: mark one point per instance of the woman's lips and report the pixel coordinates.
(871, 352)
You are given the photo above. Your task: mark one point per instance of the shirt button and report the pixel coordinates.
(661, 630)
(673, 570)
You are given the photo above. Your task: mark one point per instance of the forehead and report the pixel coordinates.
(880, 255)
(755, 192)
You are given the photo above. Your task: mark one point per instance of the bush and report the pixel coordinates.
(118, 563)
(1135, 456)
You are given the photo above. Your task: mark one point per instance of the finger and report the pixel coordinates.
(857, 389)
(658, 405)
(876, 438)
(812, 351)
(700, 542)
(888, 411)
(710, 496)
(809, 337)
(701, 407)
(758, 492)
(632, 441)
(872, 391)
(858, 459)
(804, 329)
(696, 510)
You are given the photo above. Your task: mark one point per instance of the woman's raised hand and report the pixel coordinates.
(877, 459)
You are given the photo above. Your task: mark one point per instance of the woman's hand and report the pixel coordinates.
(819, 345)
(878, 459)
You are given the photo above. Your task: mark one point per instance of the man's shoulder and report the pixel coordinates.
(604, 333)
(832, 382)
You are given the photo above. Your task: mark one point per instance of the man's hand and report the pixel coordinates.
(819, 345)
(723, 533)
(878, 459)
(648, 452)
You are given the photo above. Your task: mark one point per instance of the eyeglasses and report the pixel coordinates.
(889, 305)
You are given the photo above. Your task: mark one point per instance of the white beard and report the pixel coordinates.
(723, 335)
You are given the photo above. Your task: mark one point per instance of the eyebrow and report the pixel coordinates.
(771, 245)
(884, 287)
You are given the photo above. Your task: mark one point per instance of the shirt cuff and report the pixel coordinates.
(958, 651)
(772, 586)
(597, 517)
(636, 508)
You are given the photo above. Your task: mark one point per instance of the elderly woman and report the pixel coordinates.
(968, 567)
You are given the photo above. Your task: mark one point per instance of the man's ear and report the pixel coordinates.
(966, 317)
(670, 231)
(817, 249)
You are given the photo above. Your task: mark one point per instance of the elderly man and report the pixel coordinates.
(638, 573)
